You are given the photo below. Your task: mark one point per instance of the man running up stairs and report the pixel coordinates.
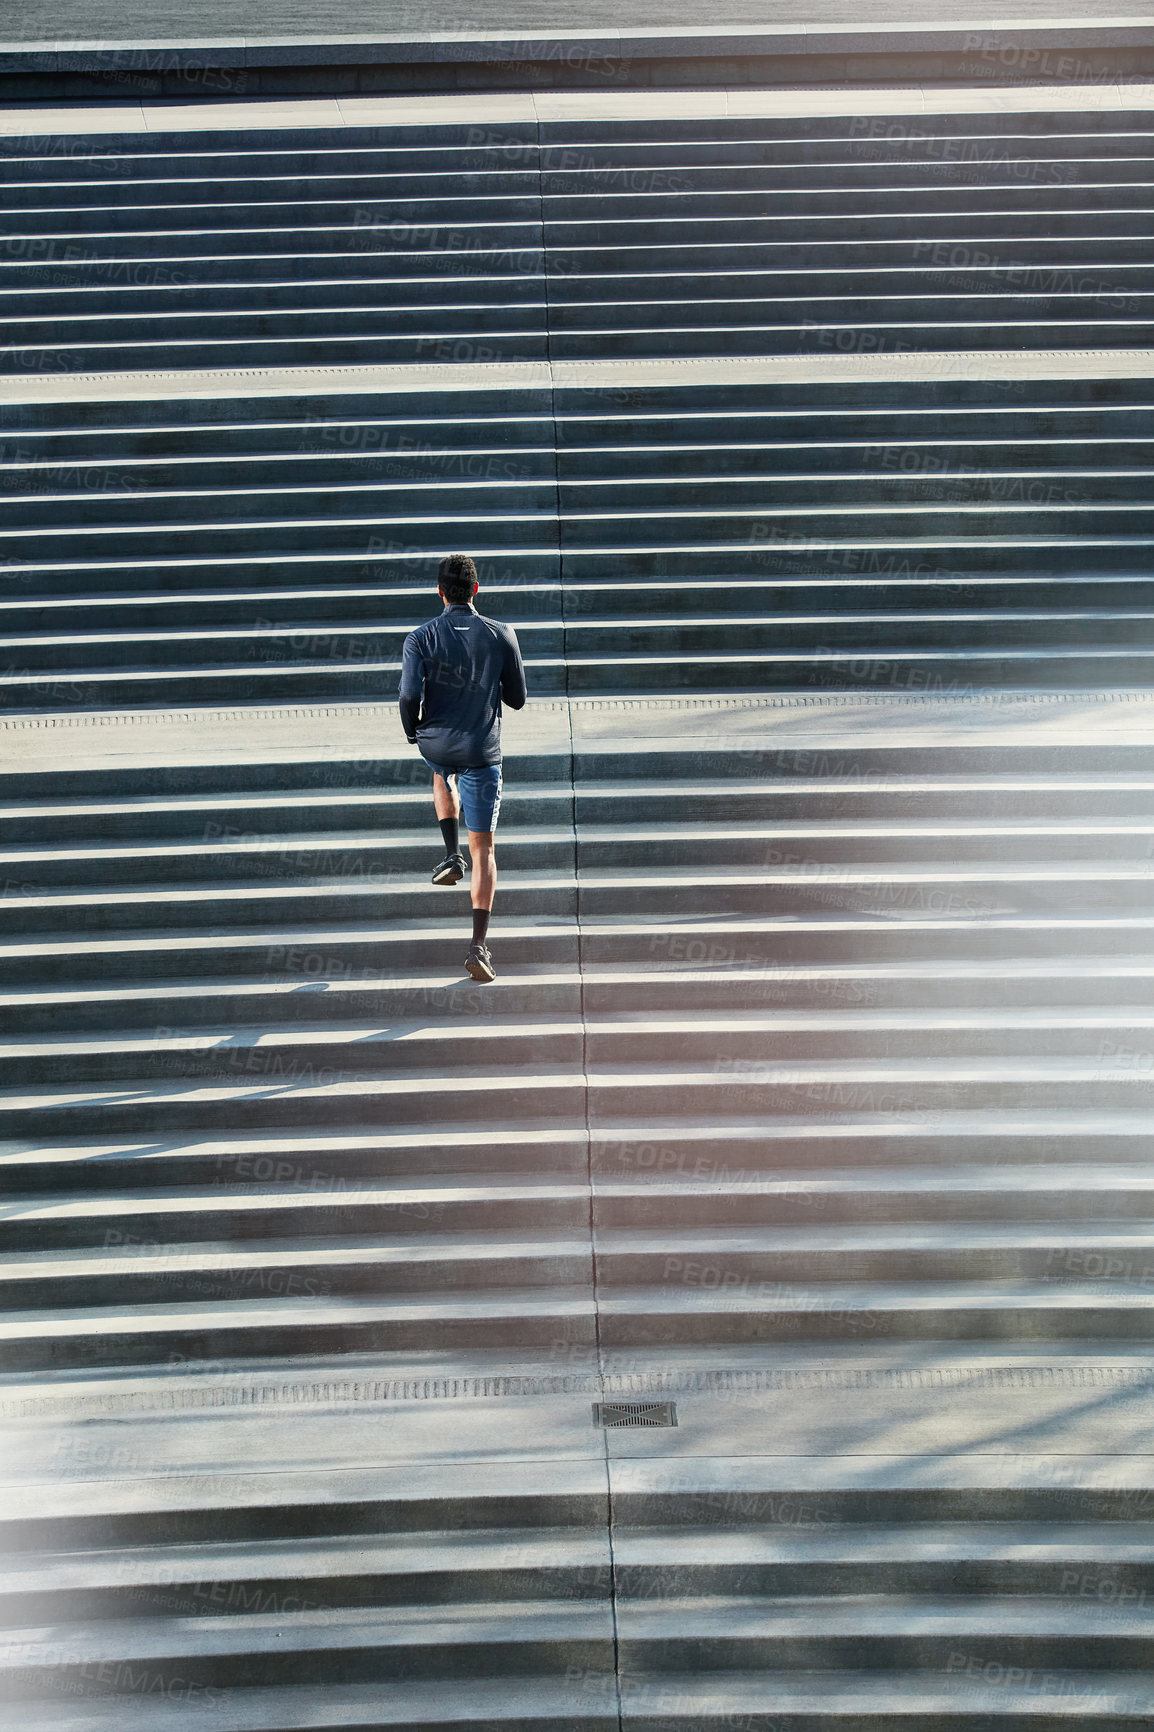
(456, 672)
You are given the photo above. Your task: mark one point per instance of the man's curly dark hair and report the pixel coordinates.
(457, 578)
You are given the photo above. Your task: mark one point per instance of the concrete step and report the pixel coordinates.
(310, 992)
(285, 1099)
(625, 177)
(299, 952)
(1112, 844)
(589, 431)
(734, 1152)
(720, 449)
(339, 1050)
(715, 1634)
(59, 600)
(507, 1703)
(458, 1642)
(443, 1264)
(320, 1162)
(982, 902)
(1118, 1040)
(501, 1318)
(989, 1559)
(1064, 492)
(816, 1702)
(359, 895)
(432, 1567)
(588, 331)
(258, 681)
(391, 806)
(1074, 634)
(916, 1090)
(639, 1195)
(752, 1309)
(739, 1267)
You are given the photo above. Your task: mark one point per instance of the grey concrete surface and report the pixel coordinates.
(787, 722)
(210, 112)
(189, 385)
(158, 20)
(821, 1039)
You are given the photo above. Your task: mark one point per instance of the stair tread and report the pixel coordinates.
(452, 1029)
(289, 1310)
(418, 1553)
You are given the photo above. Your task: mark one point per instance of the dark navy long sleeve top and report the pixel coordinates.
(456, 673)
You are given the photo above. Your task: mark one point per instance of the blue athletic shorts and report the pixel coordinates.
(480, 791)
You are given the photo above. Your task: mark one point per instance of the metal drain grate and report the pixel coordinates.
(607, 1413)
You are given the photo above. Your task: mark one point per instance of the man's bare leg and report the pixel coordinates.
(483, 854)
(446, 801)
(484, 887)
(447, 806)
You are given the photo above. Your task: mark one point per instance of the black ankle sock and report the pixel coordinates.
(449, 832)
(480, 925)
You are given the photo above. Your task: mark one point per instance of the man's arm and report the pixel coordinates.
(514, 690)
(412, 687)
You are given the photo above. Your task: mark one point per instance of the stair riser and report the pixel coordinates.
(549, 1331)
(781, 855)
(191, 1598)
(380, 860)
(589, 435)
(957, 903)
(376, 902)
(526, 808)
(322, 1206)
(180, 1677)
(302, 957)
(875, 1652)
(217, 1598)
(888, 668)
(322, 1172)
(307, 957)
(460, 998)
(732, 1092)
(1056, 502)
(360, 1054)
(44, 609)
(337, 1062)
(185, 1285)
(793, 1202)
(757, 331)
(285, 1107)
(746, 1282)
(511, 1332)
(852, 650)
(570, 200)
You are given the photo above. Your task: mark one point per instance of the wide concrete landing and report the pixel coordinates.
(59, 21)
(210, 113)
(103, 740)
(892, 367)
(929, 1407)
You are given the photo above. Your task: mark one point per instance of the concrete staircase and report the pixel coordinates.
(810, 1108)
(577, 239)
(672, 538)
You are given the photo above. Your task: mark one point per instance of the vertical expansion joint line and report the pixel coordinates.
(577, 919)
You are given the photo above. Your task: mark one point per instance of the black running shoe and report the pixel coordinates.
(451, 870)
(479, 963)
